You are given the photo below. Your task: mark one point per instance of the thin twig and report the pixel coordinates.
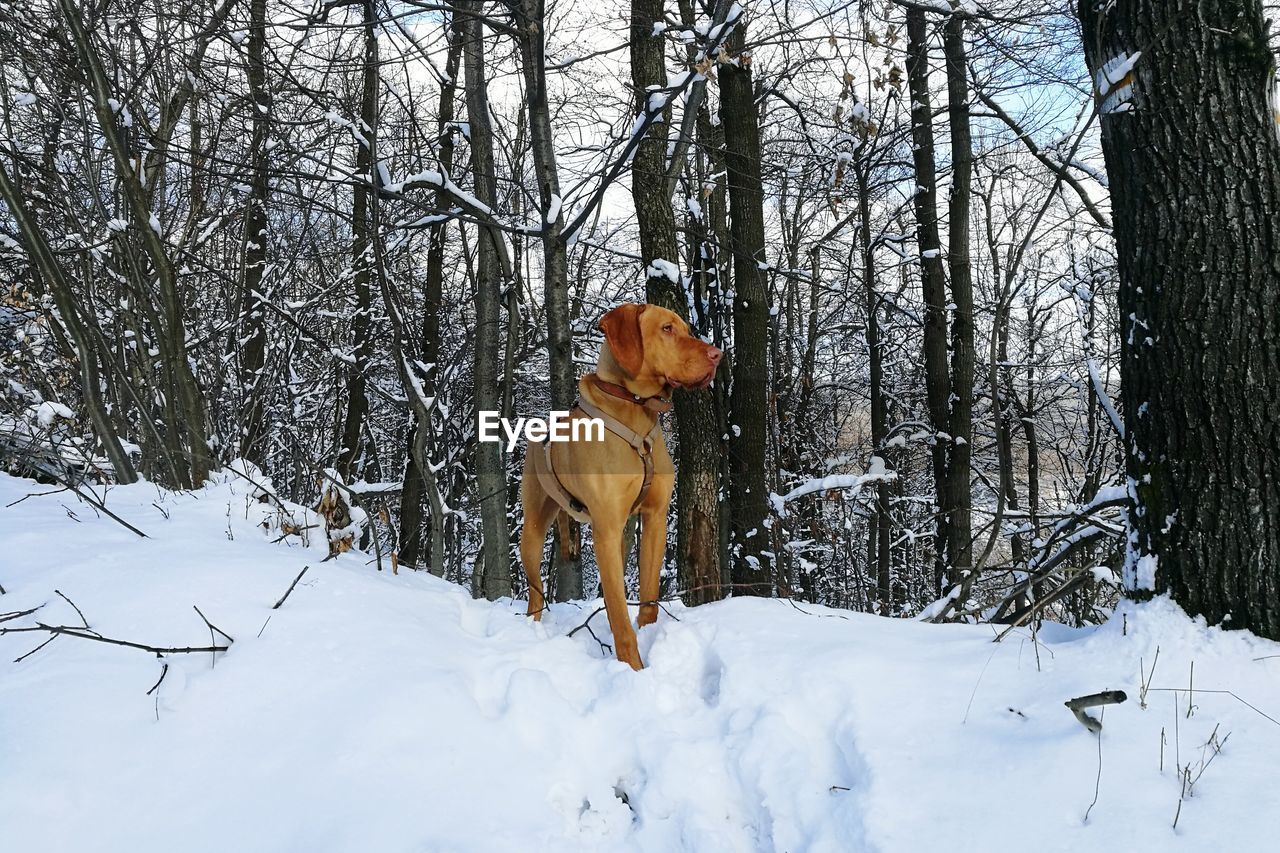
(156, 687)
(36, 649)
(603, 645)
(1097, 784)
(93, 502)
(277, 605)
(18, 614)
(73, 604)
(1146, 678)
(213, 627)
(163, 673)
(35, 495)
(976, 684)
(1226, 692)
(213, 657)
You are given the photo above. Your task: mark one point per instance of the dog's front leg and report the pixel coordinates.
(608, 548)
(653, 547)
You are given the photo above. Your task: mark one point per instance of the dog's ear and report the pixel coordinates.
(621, 328)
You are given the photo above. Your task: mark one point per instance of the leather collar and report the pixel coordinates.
(656, 404)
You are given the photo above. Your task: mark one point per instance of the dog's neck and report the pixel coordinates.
(607, 368)
(632, 413)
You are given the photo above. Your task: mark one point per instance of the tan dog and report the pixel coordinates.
(648, 351)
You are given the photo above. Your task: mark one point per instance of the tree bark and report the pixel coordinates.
(959, 497)
(748, 402)
(418, 479)
(494, 580)
(253, 349)
(1190, 140)
(879, 526)
(566, 562)
(933, 280)
(45, 264)
(698, 566)
(182, 393)
(353, 426)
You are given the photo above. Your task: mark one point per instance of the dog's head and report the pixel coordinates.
(652, 344)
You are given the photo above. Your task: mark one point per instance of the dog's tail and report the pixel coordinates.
(570, 536)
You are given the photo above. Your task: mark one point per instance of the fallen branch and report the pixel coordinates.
(96, 504)
(605, 648)
(287, 592)
(71, 631)
(1093, 700)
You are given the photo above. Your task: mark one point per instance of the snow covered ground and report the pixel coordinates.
(394, 713)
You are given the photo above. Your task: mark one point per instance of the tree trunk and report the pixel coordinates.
(959, 498)
(353, 428)
(1192, 153)
(878, 527)
(418, 478)
(45, 265)
(253, 349)
(698, 440)
(748, 402)
(186, 416)
(494, 580)
(933, 281)
(566, 563)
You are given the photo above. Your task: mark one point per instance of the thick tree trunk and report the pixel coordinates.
(253, 335)
(494, 580)
(566, 562)
(1190, 138)
(748, 402)
(933, 281)
(697, 451)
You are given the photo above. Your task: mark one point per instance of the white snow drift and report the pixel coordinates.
(394, 713)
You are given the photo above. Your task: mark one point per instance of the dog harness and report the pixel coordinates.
(641, 444)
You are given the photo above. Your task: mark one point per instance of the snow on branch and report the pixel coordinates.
(876, 473)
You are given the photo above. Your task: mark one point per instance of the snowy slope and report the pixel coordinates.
(394, 713)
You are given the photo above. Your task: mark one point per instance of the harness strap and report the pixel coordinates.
(553, 487)
(641, 444)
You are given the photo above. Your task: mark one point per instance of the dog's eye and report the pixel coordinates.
(667, 328)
